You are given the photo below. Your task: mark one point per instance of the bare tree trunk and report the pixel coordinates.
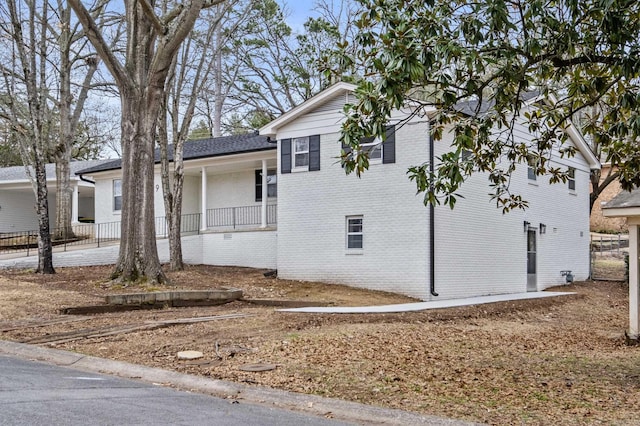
(29, 32)
(64, 194)
(152, 44)
(45, 250)
(172, 198)
(138, 257)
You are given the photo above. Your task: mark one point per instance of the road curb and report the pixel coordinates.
(236, 392)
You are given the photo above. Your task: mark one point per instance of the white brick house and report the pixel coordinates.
(372, 232)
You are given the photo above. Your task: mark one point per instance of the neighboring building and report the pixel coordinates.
(372, 232)
(18, 201)
(598, 221)
(627, 205)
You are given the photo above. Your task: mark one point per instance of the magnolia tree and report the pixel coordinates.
(496, 53)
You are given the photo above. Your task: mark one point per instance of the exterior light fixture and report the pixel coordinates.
(526, 226)
(543, 228)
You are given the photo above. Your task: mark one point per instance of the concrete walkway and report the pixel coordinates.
(423, 306)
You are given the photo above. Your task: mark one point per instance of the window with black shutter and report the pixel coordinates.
(300, 154)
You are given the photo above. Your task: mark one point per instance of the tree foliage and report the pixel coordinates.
(493, 55)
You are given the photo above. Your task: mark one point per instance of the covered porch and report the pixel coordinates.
(232, 192)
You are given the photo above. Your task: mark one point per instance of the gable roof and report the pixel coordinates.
(470, 107)
(203, 148)
(467, 107)
(307, 106)
(18, 173)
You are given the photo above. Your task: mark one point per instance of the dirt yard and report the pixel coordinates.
(548, 361)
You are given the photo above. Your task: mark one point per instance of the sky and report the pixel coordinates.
(300, 10)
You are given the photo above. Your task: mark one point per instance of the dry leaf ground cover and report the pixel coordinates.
(548, 361)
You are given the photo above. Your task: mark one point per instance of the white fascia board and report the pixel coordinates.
(578, 140)
(271, 129)
(621, 212)
(229, 159)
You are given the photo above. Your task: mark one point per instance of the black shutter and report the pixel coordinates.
(389, 146)
(314, 152)
(285, 156)
(346, 148)
(258, 185)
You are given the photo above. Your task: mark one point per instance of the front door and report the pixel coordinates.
(532, 284)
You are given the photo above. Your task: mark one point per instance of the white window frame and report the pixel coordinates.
(531, 173)
(571, 181)
(375, 146)
(295, 153)
(113, 188)
(349, 233)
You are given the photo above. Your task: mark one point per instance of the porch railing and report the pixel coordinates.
(86, 234)
(83, 234)
(240, 216)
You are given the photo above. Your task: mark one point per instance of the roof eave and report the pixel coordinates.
(621, 211)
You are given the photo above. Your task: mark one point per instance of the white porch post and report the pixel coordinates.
(203, 198)
(634, 283)
(74, 204)
(263, 207)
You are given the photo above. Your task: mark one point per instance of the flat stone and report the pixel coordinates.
(257, 367)
(190, 355)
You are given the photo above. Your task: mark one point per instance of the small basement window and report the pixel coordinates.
(354, 232)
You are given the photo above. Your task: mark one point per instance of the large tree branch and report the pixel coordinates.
(151, 15)
(101, 46)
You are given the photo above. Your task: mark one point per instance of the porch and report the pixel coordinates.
(232, 193)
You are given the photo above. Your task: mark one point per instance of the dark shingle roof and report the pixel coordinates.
(625, 199)
(469, 107)
(204, 148)
(17, 173)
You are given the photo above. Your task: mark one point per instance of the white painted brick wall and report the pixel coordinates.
(478, 249)
(481, 251)
(312, 207)
(255, 249)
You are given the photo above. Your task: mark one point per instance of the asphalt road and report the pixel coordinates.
(32, 393)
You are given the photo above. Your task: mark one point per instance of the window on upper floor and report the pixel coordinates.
(378, 151)
(374, 149)
(571, 174)
(300, 154)
(532, 162)
(354, 232)
(117, 195)
(272, 184)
